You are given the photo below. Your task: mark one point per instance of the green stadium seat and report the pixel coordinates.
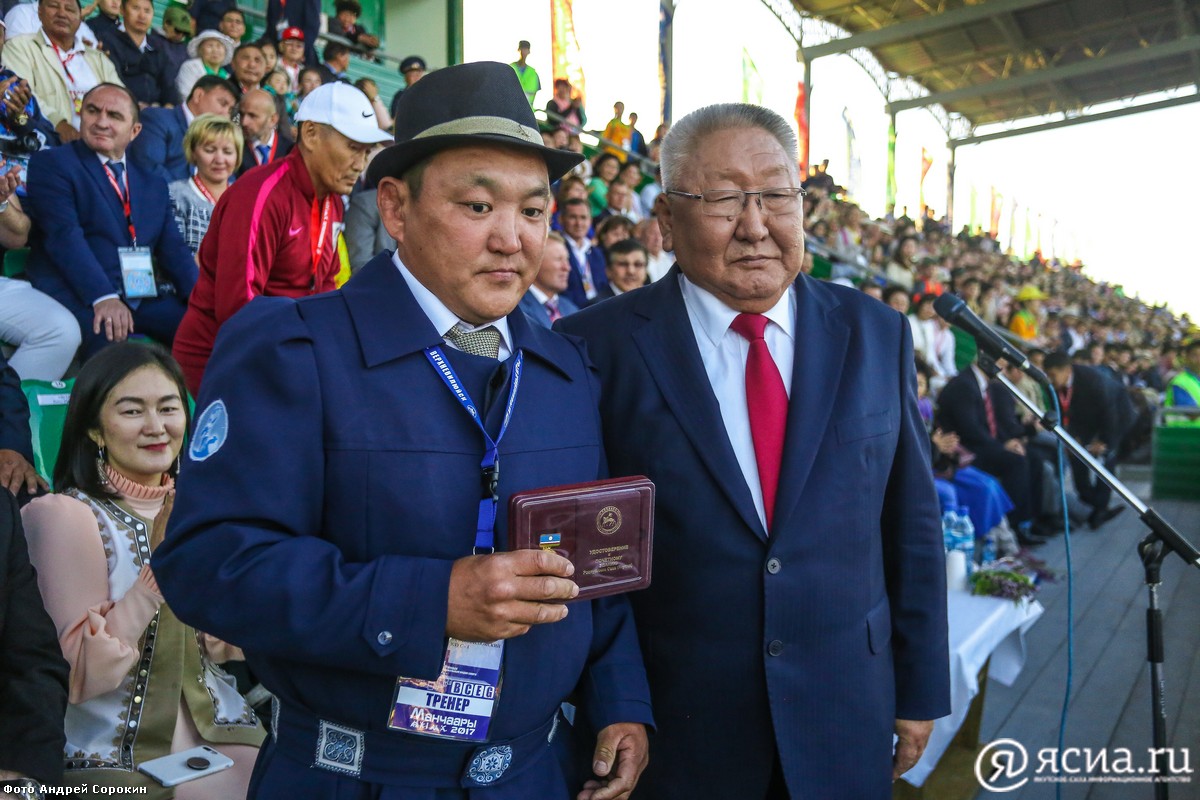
(47, 415)
(1175, 471)
(14, 262)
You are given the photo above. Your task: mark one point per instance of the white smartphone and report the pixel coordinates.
(186, 765)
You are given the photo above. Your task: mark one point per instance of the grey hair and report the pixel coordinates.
(679, 145)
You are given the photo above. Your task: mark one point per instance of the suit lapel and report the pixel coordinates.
(821, 342)
(95, 171)
(668, 346)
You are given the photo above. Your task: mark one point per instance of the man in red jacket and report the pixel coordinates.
(275, 231)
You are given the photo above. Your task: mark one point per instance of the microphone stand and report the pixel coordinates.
(1161, 540)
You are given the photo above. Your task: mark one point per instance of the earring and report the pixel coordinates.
(101, 462)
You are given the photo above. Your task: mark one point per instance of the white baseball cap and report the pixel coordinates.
(345, 109)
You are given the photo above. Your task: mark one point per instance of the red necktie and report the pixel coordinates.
(990, 410)
(767, 402)
(553, 310)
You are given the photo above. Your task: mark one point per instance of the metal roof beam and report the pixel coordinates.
(1186, 28)
(1064, 123)
(890, 34)
(1187, 44)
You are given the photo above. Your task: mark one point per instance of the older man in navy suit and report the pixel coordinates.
(98, 224)
(797, 616)
(341, 484)
(159, 147)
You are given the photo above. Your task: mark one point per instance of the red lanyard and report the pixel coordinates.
(64, 62)
(204, 192)
(125, 200)
(321, 212)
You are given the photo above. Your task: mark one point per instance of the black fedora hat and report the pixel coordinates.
(477, 103)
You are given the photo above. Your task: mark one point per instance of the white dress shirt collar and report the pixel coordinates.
(713, 317)
(442, 317)
(539, 295)
(80, 45)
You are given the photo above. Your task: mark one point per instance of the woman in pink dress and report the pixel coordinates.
(143, 685)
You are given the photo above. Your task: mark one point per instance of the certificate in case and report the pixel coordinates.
(605, 528)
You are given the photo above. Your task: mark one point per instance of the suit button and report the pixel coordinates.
(775, 647)
(384, 638)
(773, 566)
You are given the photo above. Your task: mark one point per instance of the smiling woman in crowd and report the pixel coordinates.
(142, 685)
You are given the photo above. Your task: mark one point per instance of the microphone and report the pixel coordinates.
(954, 310)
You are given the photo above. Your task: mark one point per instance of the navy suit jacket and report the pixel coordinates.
(78, 224)
(336, 528)
(1099, 408)
(159, 147)
(960, 409)
(809, 642)
(537, 312)
(597, 264)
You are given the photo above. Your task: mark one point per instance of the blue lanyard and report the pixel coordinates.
(485, 528)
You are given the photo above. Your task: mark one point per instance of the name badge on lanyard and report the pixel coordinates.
(137, 272)
(459, 704)
(137, 263)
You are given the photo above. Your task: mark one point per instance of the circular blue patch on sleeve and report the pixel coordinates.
(212, 428)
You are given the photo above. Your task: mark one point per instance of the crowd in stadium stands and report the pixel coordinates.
(140, 164)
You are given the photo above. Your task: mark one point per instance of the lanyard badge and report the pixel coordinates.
(459, 704)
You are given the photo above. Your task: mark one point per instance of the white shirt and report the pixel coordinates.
(724, 355)
(540, 296)
(443, 318)
(81, 80)
(659, 265)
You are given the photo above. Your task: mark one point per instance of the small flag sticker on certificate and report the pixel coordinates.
(549, 541)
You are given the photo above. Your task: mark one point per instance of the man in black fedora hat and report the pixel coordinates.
(336, 491)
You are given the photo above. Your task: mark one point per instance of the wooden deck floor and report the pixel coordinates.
(1110, 705)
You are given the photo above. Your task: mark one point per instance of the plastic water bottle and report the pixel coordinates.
(987, 544)
(959, 534)
(966, 535)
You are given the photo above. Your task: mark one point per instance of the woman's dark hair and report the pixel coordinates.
(923, 367)
(76, 465)
(601, 160)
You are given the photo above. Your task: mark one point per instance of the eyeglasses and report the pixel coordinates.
(732, 202)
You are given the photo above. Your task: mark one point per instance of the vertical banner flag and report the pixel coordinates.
(565, 47)
(891, 169)
(854, 163)
(994, 218)
(666, 13)
(802, 128)
(926, 164)
(1028, 252)
(974, 209)
(752, 81)
(1012, 227)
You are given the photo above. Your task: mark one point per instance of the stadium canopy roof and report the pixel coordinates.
(997, 61)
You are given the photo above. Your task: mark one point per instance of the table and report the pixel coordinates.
(984, 632)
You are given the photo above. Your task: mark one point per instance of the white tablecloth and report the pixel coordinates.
(980, 627)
